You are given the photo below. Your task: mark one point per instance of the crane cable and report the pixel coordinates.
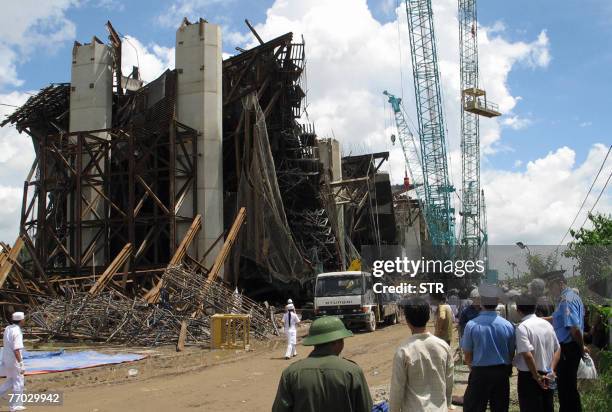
(587, 196)
(603, 189)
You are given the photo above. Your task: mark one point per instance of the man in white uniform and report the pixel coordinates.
(291, 320)
(12, 361)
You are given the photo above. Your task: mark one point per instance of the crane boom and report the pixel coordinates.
(409, 147)
(471, 235)
(437, 188)
(473, 104)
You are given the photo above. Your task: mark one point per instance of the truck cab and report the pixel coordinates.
(350, 296)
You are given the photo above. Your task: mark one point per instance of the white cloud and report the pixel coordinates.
(29, 25)
(152, 60)
(586, 124)
(352, 58)
(9, 214)
(538, 204)
(111, 5)
(192, 9)
(515, 122)
(26, 26)
(16, 157)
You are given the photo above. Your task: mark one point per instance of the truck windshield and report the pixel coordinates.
(339, 286)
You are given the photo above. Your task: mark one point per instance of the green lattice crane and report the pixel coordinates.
(430, 119)
(473, 104)
(412, 157)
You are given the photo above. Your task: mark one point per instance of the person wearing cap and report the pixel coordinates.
(536, 347)
(470, 312)
(291, 320)
(422, 376)
(488, 345)
(12, 361)
(323, 381)
(568, 322)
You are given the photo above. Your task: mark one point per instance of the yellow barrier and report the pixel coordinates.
(230, 331)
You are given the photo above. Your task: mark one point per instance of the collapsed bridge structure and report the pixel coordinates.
(210, 166)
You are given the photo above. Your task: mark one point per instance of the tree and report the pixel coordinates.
(538, 265)
(592, 249)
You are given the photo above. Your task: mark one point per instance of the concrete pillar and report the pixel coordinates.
(91, 98)
(91, 87)
(331, 160)
(199, 105)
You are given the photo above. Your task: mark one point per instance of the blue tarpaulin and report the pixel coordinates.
(38, 362)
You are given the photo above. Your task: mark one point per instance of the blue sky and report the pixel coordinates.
(566, 104)
(561, 106)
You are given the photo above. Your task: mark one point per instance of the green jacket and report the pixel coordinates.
(323, 382)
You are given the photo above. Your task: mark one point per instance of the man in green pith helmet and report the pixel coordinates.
(324, 381)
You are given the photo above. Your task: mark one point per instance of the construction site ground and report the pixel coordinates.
(203, 380)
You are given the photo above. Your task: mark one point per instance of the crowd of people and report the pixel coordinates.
(545, 348)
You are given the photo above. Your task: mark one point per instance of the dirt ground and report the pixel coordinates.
(248, 384)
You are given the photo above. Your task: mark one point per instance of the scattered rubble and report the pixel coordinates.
(112, 317)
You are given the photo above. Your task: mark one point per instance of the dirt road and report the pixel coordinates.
(246, 385)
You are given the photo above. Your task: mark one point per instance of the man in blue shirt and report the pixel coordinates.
(470, 311)
(488, 344)
(568, 322)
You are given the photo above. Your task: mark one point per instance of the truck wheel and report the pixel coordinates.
(391, 320)
(371, 325)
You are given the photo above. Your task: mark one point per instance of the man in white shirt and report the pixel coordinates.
(422, 377)
(537, 348)
(12, 361)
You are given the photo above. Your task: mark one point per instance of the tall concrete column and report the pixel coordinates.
(330, 158)
(199, 105)
(91, 88)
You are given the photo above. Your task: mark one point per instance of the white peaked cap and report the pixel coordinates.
(18, 316)
(289, 301)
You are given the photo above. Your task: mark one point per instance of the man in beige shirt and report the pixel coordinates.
(422, 378)
(444, 319)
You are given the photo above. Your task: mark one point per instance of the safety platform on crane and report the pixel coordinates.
(475, 101)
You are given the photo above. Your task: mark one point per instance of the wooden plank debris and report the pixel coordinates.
(112, 317)
(227, 246)
(153, 295)
(110, 271)
(6, 264)
(180, 346)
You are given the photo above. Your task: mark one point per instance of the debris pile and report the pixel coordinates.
(112, 317)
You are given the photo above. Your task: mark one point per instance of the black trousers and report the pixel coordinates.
(488, 385)
(567, 382)
(532, 398)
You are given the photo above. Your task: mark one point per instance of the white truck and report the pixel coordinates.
(349, 296)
